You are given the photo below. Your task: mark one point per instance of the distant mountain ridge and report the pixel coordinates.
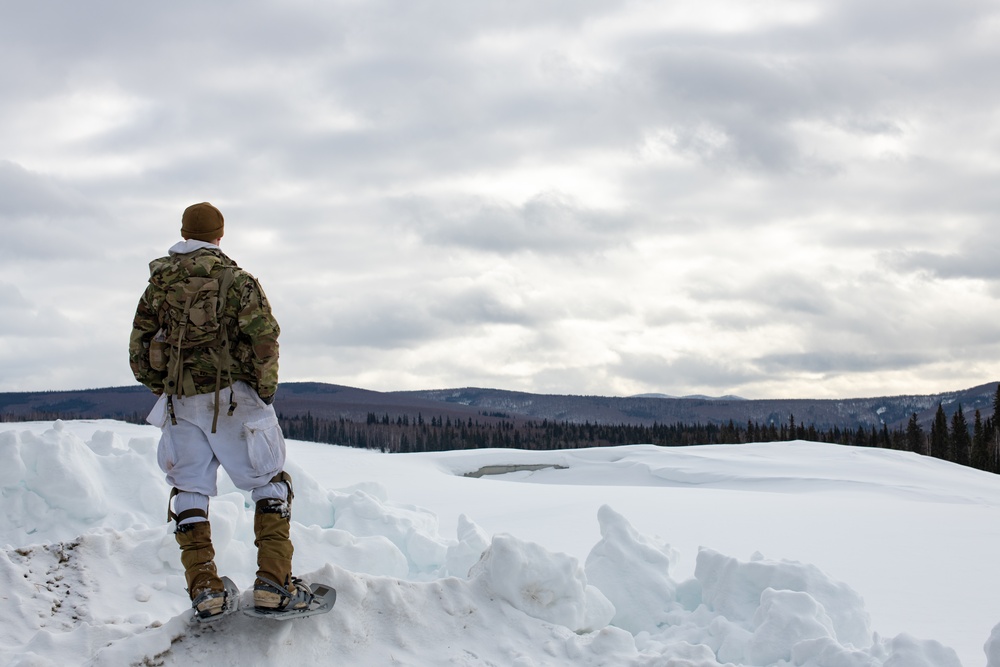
(332, 401)
(727, 397)
(893, 411)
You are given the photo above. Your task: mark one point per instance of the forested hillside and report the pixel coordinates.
(957, 426)
(973, 443)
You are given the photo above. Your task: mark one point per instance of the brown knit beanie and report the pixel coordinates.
(202, 222)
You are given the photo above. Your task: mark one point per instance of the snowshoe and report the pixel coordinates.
(297, 601)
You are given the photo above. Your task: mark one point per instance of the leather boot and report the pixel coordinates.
(205, 588)
(275, 589)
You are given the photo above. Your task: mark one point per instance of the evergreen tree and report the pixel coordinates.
(939, 435)
(980, 448)
(950, 438)
(993, 435)
(960, 442)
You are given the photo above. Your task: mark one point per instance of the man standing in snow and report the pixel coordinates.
(203, 327)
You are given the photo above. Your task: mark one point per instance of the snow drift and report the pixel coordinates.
(91, 575)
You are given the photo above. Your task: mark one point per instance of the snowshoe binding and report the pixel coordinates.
(297, 601)
(212, 605)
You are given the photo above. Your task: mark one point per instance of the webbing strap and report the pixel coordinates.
(190, 514)
(170, 510)
(186, 514)
(178, 375)
(278, 587)
(286, 479)
(222, 357)
(274, 505)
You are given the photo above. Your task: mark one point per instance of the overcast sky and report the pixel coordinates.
(763, 198)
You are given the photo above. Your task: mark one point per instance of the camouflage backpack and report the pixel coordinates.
(192, 318)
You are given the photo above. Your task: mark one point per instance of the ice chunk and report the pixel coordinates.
(784, 619)
(11, 466)
(633, 571)
(992, 648)
(411, 529)
(65, 472)
(734, 589)
(909, 652)
(472, 542)
(548, 586)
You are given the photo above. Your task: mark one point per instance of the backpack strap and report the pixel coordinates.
(175, 370)
(222, 356)
(175, 375)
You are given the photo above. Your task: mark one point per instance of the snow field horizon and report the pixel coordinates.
(841, 556)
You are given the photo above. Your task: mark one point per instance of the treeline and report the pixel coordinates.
(70, 415)
(955, 439)
(976, 444)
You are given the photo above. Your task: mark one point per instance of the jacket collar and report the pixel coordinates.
(190, 245)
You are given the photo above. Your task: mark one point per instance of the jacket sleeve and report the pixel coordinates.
(258, 326)
(144, 327)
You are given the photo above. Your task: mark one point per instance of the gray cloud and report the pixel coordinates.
(405, 319)
(976, 257)
(46, 220)
(547, 223)
(22, 319)
(568, 196)
(840, 362)
(653, 370)
(794, 294)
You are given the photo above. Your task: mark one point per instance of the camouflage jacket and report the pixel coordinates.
(253, 331)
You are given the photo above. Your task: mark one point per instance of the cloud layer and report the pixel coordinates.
(784, 199)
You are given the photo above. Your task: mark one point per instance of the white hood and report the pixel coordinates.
(189, 245)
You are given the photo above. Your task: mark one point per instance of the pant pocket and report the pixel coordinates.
(166, 453)
(265, 444)
(158, 415)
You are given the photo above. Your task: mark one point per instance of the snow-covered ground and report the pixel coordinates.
(770, 554)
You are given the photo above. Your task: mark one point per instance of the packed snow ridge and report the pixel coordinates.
(91, 575)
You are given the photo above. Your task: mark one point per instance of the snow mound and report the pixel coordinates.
(634, 572)
(91, 575)
(739, 590)
(55, 484)
(547, 586)
(992, 648)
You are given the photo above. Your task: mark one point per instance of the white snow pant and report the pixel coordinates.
(249, 445)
